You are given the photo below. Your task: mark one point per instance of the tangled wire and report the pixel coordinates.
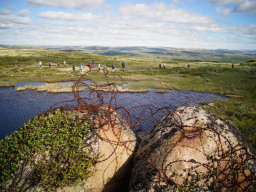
(229, 166)
(159, 162)
(103, 97)
(193, 158)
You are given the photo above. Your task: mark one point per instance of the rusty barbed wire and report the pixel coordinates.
(103, 110)
(231, 170)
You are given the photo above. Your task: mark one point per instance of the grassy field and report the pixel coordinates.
(142, 72)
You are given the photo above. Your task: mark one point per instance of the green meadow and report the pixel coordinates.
(208, 72)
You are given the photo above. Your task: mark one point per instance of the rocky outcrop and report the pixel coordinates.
(116, 142)
(193, 150)
(91, 150)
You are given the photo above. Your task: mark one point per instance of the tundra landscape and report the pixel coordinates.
(225, 73)
(128, 96)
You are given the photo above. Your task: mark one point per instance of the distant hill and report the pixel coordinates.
(249, 63)
(165, 53)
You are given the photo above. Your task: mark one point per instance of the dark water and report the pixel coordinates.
(16, 108)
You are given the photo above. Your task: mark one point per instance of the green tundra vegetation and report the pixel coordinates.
(209, 71)
(50, 145)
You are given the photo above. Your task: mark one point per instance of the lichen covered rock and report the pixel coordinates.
(193, 150)
(68, 150)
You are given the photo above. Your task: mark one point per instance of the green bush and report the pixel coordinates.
(57, 138)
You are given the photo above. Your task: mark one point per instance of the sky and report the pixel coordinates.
(208, 24)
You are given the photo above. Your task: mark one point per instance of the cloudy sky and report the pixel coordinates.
(210, 24)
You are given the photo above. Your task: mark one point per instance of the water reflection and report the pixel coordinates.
(17, 108)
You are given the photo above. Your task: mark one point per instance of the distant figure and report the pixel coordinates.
(74, 68)
(93, 63)
(184, 65)
(164, 65)
(123, 65)
(188, 66)
(90, 67)
(113, 65)
(40, 64)
(64, 63)
(81, 66)
(232, 65)
(58, 64)
(160, 65)
(50, 64)
(99, 66)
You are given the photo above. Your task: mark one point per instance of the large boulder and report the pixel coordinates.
(89, 150)
(114, 140)
(194, 150)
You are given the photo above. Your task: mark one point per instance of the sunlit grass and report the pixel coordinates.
(141, 74)
(49, 87)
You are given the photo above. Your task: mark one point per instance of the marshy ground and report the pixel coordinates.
(142, 72)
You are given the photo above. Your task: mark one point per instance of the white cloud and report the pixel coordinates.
(8, 19)
(159, 11)
(117, 31)
(24, 12)
(132, 24)
(70, 16)
(114, 32)
(241, 6)
(107, 6)
(248, 31)
(226, 2)
(246, 7)
(214, 28)
(5, 12)
(77, 4)
(156, 24)
(5, 19)
(224, 11)
(101, 29)
(6, 26)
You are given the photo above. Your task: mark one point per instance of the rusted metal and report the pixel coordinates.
(95, 103)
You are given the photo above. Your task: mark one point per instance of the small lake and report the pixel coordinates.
(18, 107)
